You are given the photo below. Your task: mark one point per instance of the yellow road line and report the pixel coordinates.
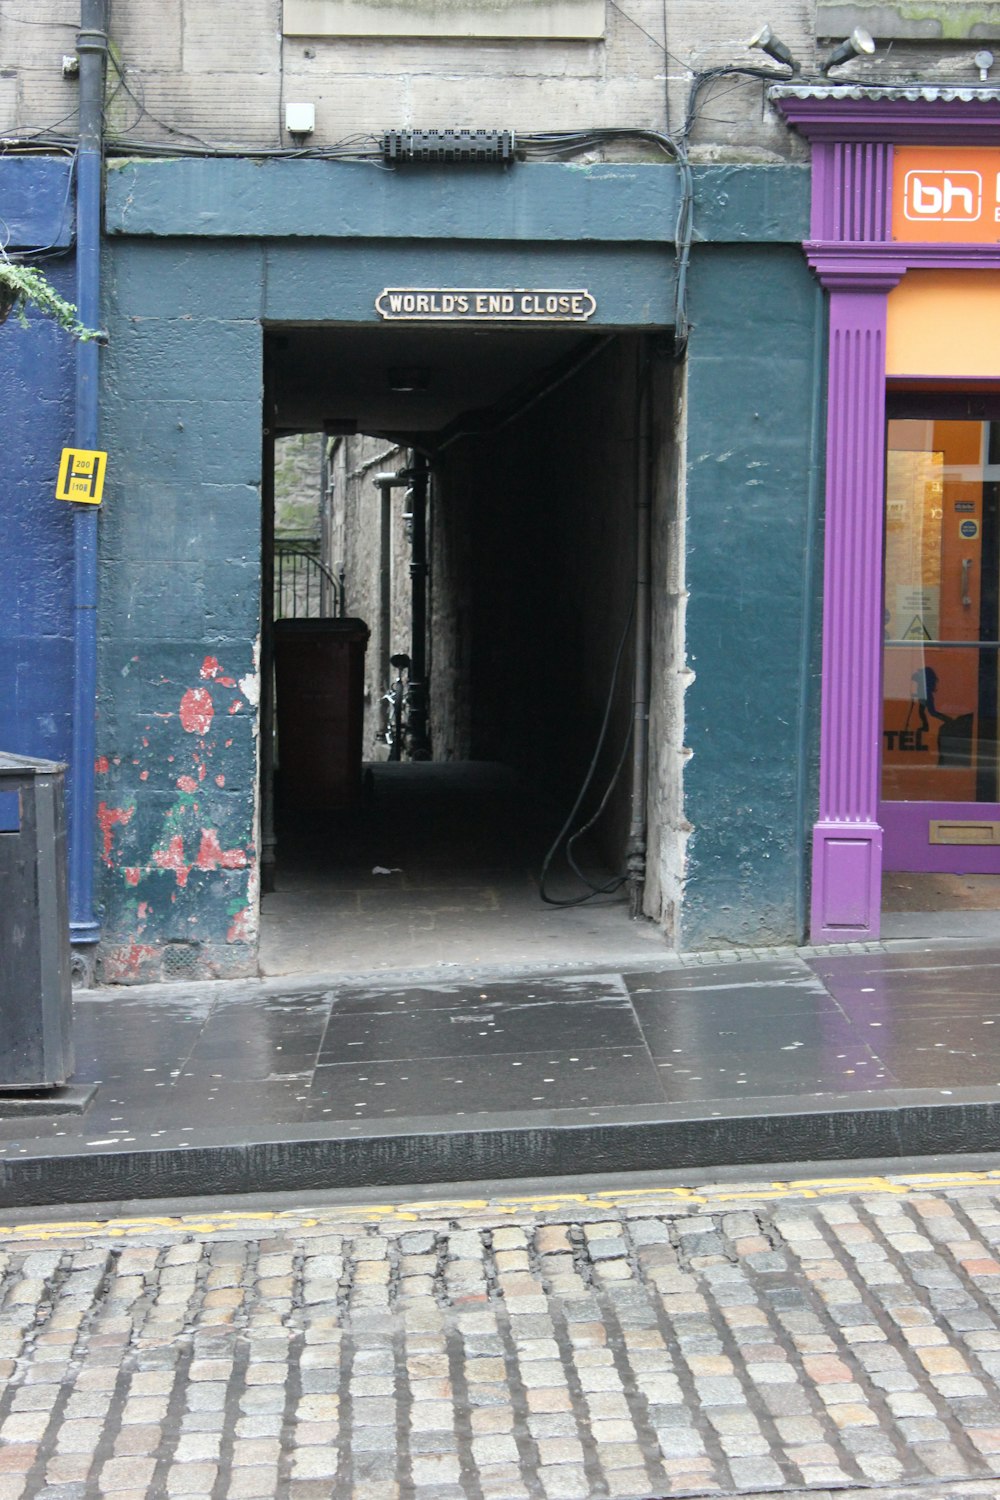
(665, 1199)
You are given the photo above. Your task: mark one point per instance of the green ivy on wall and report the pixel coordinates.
(24, 286)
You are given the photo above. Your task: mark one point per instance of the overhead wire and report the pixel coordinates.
(42, 135)
(52, 25)
(701, 81)
(144, 112)
(654, 39)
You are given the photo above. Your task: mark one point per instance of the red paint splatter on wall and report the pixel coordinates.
(212, 856)
(187, 783)
(211, 668)
(220, 781)
(128, 962)
(143, 775)
(197, 711)
(132, 873)
(241, 927)
(107, 817)
(172, 858)
(235, 706)
(102, 765)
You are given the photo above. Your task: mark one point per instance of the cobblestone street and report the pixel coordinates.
(730, 1339)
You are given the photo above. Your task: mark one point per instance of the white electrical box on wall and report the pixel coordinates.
(300, 119)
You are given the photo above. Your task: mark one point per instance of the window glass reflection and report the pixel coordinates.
(940, 685)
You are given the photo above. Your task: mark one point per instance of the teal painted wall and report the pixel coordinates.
(180, 551)
(555, 202)
(179, 611)
(752, 613)
(357, 200)
(187, 289)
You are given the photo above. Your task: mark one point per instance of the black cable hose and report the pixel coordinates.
(618, 880)
(730, 70)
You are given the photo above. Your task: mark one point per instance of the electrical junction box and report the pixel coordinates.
(300, 119)
(448, 145)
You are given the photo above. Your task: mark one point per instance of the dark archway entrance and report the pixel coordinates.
(533, 450)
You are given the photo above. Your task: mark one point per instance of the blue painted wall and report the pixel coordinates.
(752, 614)
(39, 209)
(36, 559)
(36, 398)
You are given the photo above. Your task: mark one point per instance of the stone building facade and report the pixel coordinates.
(661, 357)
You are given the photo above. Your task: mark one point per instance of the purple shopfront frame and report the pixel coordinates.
(852, 133)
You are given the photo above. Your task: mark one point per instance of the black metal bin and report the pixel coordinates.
(36, 1035)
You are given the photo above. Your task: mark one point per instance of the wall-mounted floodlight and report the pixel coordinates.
(984, 62)
(765, 39)
(858, 44)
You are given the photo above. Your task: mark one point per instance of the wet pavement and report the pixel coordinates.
(276, 1084)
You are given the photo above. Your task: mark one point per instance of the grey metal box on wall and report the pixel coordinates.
(36, 1038)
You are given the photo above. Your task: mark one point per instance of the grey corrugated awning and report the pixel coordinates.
(943, 93)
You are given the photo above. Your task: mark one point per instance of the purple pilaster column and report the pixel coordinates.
(847, 839)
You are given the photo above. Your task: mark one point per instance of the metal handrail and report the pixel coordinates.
(297, 585)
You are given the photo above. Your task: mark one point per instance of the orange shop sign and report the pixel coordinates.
(946, 194)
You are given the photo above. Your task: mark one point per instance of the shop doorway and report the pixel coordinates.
(478, 503)
(940, 775)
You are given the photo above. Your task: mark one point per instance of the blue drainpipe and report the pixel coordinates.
(92, 50)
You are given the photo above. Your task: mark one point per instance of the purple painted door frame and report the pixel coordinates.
(850, 249)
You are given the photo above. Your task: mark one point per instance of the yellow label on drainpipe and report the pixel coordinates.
(81, 475)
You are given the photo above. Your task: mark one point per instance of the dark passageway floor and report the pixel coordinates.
(462, 843)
